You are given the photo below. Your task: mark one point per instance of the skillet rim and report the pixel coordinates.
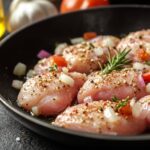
(47, 126)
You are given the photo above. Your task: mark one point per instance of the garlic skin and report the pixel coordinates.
(24, 12)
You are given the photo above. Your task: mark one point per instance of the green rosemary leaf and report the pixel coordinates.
(117, 62)
(115, 99)
(53, 68)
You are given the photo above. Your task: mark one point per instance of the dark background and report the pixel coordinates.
(10, 129)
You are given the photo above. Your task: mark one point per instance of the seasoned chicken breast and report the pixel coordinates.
(121, 84)
(86, 57)
(139, 43)
(141, 109)
(50, 93)
(100, 117)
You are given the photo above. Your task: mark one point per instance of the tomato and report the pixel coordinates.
(89, 35)
(59, 60)
(72, 5)
(126, 110)
(146, 77)
(143, 55)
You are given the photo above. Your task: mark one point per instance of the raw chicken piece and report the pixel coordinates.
(120, 84)
(141, 109)
(100, 117)
(139, 43)
(50, 93)
(86, 56)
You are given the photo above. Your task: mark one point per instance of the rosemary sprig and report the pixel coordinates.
(117, 62)
(115, 99)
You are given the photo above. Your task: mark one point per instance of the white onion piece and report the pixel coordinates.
(60, 47)
(17, 84)
(65, 69)
(148, 88)
(35, 110)
(110, 115)
(98, 51)
(77, 40)
(66, 79)
(88, 99)
(138, 66)
(108, 42)
(31, 73)
(132, 102)
(20, 69)
(136, 109)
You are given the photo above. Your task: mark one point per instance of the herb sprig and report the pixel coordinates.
(122, 104)
(117, 62)
(53, 68)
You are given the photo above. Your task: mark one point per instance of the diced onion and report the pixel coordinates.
(65, 69)
(136, 109)
(60, 47)
(35, 110)
(148, 88)
(66, 79)
(43, 54)
(87, 99)
(98, 51)
(17, 84)
(110, 115)
(31, 73)
(108, 42)
(77, 40)
(20, 69)
(138, 66)
(132, 102)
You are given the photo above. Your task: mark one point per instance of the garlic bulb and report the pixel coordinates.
(24, 12)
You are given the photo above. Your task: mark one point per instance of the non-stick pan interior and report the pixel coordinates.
(24, 45)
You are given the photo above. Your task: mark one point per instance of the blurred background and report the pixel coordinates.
(15, 14)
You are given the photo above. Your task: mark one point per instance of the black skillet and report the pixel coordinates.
(23, 46)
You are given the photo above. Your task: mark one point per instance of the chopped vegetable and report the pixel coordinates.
(117, 62)
(109, 115)
(146, 77)
(20, 69)
(126, 110)
(77, 40)
(31, 73)
(98, 51)
(66, 79)
(53, 68)
(59, 61)
(17, 84)
(122, 104)
(60, 47)
(115, 99)
(43, 54)
(89, 35)
(143, 55)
